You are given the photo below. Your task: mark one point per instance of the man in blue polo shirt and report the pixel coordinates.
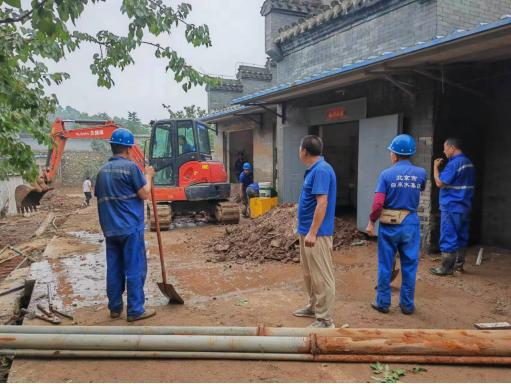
(121, 189)
(456, 183)
(316, 214)
(395, 205)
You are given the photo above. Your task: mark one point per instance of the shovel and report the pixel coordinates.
(395, 272)
(165, 288)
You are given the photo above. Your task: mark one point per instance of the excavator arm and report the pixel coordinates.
(29, 197)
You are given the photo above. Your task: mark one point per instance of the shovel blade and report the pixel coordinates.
(169, 292)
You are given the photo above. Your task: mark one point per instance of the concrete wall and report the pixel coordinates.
(466, 14)
(7, 188)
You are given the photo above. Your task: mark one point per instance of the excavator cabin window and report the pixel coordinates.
(185, 137)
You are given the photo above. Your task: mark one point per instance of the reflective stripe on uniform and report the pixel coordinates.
(465, 166)
(459, 187)
(110, 198)
(116, 170)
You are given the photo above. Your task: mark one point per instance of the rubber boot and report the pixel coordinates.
(461, 260)
(447, 265)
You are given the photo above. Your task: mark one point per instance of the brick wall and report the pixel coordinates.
(466, 14)
(403, 23)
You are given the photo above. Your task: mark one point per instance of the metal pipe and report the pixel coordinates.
(157, 343)
(411, 359)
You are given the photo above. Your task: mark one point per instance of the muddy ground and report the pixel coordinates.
(249, 294)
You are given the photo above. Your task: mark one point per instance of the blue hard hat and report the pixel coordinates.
(403, 145)
(122, 136)
(247, 166)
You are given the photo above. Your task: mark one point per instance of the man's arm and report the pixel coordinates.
(319, 215)
(376, 208)
(144, 193)
(436, 172)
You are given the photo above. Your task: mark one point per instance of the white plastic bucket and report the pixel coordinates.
(265, 189)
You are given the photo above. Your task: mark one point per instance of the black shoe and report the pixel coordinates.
(406, 311)
(379, 309)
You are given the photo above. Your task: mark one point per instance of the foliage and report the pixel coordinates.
(389, 375)
(46, 31)
(189, 112)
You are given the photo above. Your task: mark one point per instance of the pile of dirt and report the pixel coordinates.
(273, 237)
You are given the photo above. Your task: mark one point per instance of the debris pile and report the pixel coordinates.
(273, 237)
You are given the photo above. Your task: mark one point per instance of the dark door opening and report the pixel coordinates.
(341, 151)
(240, 142)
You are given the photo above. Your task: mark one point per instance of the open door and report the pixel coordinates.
(375, 134)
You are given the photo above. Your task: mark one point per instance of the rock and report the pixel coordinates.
(296, 260)
(276, 243)
(221, 247)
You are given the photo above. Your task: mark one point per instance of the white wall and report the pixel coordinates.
(7, 188)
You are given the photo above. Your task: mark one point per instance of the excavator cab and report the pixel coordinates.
(175, 143)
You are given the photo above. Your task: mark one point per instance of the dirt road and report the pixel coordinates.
(249, 294)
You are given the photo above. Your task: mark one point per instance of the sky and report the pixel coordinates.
(237, 34)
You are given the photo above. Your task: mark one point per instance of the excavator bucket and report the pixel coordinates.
(28, 198)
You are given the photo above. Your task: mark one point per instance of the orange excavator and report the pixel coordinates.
(187, 181)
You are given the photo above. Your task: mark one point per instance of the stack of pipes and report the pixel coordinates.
(260, 343)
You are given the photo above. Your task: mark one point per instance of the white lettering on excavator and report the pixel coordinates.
(97, 132)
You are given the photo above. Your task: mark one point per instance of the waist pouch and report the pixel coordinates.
(393, 216)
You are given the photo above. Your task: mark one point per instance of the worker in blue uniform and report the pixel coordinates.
(456, 183)
(121, 189)
(246, 179)
(395, 206)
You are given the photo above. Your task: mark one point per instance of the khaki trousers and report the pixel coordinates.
(318, 273)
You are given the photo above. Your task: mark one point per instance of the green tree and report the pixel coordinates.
(189, 112)
(46, 31)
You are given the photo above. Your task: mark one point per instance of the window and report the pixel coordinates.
(203, 136)
(185, 138)
(162, 145)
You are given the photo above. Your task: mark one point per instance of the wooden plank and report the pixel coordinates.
(501, 325)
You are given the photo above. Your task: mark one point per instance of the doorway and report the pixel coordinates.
(341, 152)
(240, 142)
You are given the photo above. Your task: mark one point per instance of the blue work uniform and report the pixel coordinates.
(121, 215)
(456, 202)
(402, 184)
(319, 179)
(252, 190)
(246, 179)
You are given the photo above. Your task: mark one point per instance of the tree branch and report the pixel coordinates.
(165, 8)
(22, 18)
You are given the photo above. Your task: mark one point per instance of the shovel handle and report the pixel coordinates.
(158, 235)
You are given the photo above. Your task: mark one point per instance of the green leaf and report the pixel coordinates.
(14, 3)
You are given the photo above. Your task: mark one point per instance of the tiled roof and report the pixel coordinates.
(337, 8)
(223, 112)
(300, 6)
(233, 85)
(505, 21)
(254, 73)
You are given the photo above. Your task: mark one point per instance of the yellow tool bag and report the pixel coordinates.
(393, 216)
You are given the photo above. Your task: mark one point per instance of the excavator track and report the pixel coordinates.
(165, 216)
(227, 213)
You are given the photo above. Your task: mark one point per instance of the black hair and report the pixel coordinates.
(403, 157)
(118, 149)
(455, 142)
(313, 145)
